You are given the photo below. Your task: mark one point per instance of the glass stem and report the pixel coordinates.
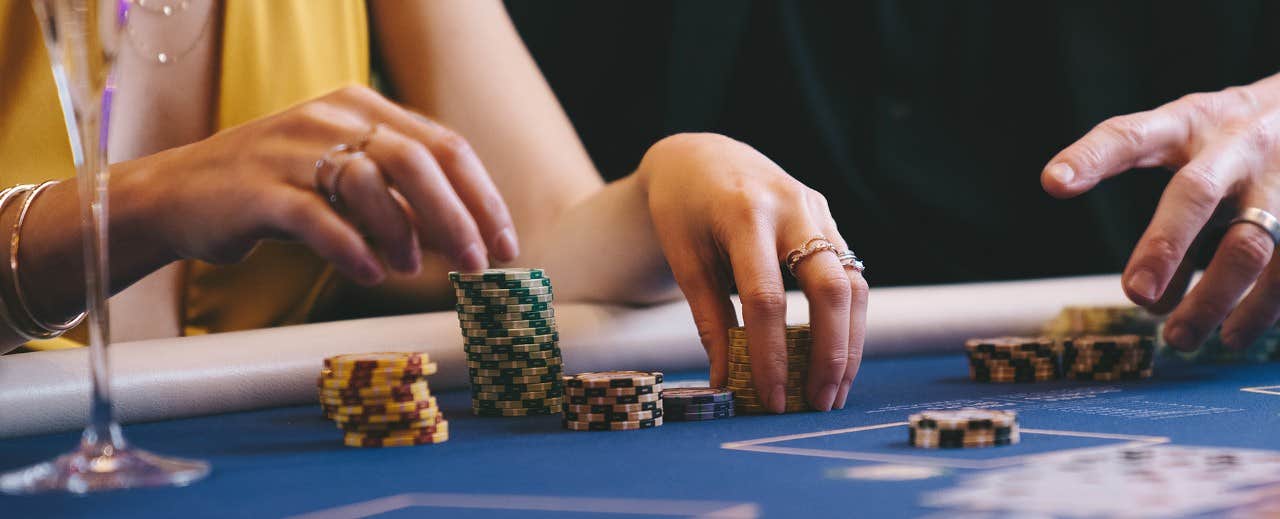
(92, 177)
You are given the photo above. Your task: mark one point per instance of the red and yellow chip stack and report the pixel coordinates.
(382, 399)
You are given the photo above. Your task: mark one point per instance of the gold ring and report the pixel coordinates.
(810, 247)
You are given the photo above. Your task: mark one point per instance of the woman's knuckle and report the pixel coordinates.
(767, 301)
(452, 144)
(834, 290)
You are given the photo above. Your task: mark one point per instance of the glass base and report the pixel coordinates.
(102, 466)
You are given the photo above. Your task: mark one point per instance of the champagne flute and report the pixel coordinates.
(83, 37)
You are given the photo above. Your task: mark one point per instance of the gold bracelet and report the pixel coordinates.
(26, 332)
(15, 241)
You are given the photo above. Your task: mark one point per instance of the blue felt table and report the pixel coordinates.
(289, 461)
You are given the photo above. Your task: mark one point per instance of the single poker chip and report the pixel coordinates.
(414, 416)
(503, 364)
(386, 427)
(398, 407)
(505, 317)
(792, 330)
(510, 283)
(507, 332)
(531, 379)
(534, 403)
(498, 301)
(502, 292)
(612, 426)
(550, 337)
(359, 383)
(501, 308)
(613, 408)
(514, 357)
(387, 391)
(626, 416)
(379, 400)
(503, 325)
(374, 361)
(611, 400)
(509, 348)
(502, 388)
(360, 440)
(709, 415)
(497, 275)
(544, 411)
(613, 391)
(696, 395)
(613, 379)
(514, 372)
(678, 408)
(384, 373)
(527, 395)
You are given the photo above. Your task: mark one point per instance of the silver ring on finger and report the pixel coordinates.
(810, 247)
(1260, 218)
(329, 168)
(850, 260)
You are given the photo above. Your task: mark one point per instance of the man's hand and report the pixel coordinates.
(1225, 147)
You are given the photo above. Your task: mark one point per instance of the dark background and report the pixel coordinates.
(926, 123)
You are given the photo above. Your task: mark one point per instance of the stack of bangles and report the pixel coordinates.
(25, 323)
(819, 244)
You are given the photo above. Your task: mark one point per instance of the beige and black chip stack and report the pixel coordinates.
(382, 399)
(1109, 357)
(510, 338)
(1013, 359)
(745, 397)
(613, 401)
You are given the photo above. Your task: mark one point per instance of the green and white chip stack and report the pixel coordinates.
(510, 338)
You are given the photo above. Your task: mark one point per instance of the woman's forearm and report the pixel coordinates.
(604, 249)
(51, 261)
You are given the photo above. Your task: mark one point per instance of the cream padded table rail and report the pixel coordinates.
(170, 378)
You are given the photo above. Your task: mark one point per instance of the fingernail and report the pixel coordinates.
(1062, 173)
(778, 399)
(473, 258)
(1143, 284)
(826, 397)
(843, 396)
(1179, 337)
(505, 247)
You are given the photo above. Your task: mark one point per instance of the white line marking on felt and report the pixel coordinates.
(1264, 390)
(762, 445)
(669, 507)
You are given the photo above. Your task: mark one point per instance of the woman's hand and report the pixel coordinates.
(414, 183)
(1225, 147)
(725, 215)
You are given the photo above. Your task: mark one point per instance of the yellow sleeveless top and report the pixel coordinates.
(274, 54)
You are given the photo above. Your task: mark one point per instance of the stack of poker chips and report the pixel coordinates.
(962, 428)
(1108, 357)
(697, 403)
(1265, 349)
(746, 398)
(509, 335)
(1074, 321)
(382, 399)
(1013, 359)
(613, 401)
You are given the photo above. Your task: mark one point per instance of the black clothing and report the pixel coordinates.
(926, 123)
